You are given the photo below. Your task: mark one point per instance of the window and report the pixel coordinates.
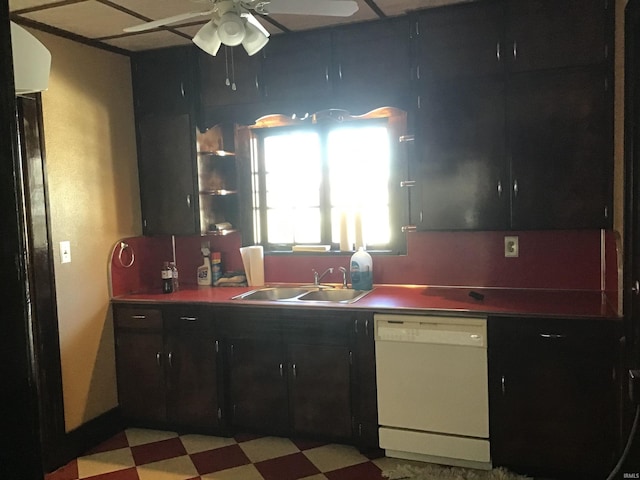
(328, 182)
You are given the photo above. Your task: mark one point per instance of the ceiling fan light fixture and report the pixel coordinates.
(231, 29)
(208, 38)
(254, 40)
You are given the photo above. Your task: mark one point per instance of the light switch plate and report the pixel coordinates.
(511, 247)
(65, 251)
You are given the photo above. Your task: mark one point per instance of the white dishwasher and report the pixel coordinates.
(433, 398)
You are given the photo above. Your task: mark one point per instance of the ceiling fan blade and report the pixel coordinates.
(166, 21)
(329, 8)
(254, 21)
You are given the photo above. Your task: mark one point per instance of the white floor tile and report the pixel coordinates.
(179, 468)
(202, 443)
(332, 457)
(105, 462)
(140, 436)
(244, 472)
(267, 448)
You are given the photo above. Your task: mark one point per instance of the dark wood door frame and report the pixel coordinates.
(20, 453)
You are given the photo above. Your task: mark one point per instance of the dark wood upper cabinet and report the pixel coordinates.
(231, 77)
(543, 34)
(460, 157)
(166, 162)
(296, 72)
(163, 80)
(371, 65)
(459, 41)
(561, 149)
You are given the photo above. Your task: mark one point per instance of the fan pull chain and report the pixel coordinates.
(233, 73)
(226, 65)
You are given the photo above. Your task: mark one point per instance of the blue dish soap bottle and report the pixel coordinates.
(361, 270)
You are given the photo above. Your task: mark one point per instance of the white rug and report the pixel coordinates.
(437, 472)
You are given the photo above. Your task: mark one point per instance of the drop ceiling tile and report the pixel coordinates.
(89, 19)
(22, 4)
(157, 9)
(148, 41)
(306, 22)
(393, 8)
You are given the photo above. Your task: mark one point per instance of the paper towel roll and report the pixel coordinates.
(253, 261)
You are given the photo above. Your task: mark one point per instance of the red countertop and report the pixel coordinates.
(418, 299)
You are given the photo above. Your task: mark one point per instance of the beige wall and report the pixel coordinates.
(94, 201)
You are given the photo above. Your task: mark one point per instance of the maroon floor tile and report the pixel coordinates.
(156, 451)
(126, 474)
(68, 472)
(307, 444)
(362, 471)
(246, 437)
(219, 459)
(289, 467)
(117, 441)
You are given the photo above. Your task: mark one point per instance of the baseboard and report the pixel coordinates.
(86, 437)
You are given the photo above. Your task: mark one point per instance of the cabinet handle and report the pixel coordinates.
(158, 358)
(188, 200)
(499, 189)
(366, 327)
(170, 357)
(498, 51)
(182, 89)
(407, 183)
(189, 319)
(281, 371)
(217, 347)
(138, 317)
(502, 385)
(257, 80)
(355, 326)
(418, 72)
(326, 74)
(219, 414)
(515, 188)
(340, 71)
(408, 228)
(553, 335)
(636, 287)
(295, 370)
(515, 50)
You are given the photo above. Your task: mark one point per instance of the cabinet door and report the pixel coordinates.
(219, 74)
(192, 393)
(296, 72)
(163, 80)
(140, 369)
(166, 160)
(258, 388)
(371, 66)
(560, 127)
(364, 385)
(460, 41)
(320, 386)
(544, 34)
(552, 396)
(459, 167)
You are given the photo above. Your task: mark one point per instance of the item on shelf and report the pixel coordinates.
(361, 270)
(204, 270)
(223, 226)
(216, 267)
(232, 279)
(174, 276)
(167, 278)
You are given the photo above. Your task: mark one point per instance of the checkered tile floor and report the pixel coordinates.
(138, 454)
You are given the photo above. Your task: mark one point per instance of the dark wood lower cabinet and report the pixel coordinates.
(553, 396)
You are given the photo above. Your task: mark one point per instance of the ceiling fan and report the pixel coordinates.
(232, 22)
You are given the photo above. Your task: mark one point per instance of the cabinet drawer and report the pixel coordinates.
(138, 318)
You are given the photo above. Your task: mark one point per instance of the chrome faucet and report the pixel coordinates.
(317, 277)
(344, 276)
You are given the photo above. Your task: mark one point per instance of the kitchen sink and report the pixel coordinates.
(339, 296)
(319, 293)
(273, 293)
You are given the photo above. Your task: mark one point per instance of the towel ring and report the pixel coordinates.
(123, 247)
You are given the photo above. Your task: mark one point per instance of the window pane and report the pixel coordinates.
(294, 225)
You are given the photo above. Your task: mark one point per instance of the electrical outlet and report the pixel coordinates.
(511, 247)
(65, 252)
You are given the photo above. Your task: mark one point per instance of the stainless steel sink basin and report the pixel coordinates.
(335, 296)
(273, 293)
(318, 293)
